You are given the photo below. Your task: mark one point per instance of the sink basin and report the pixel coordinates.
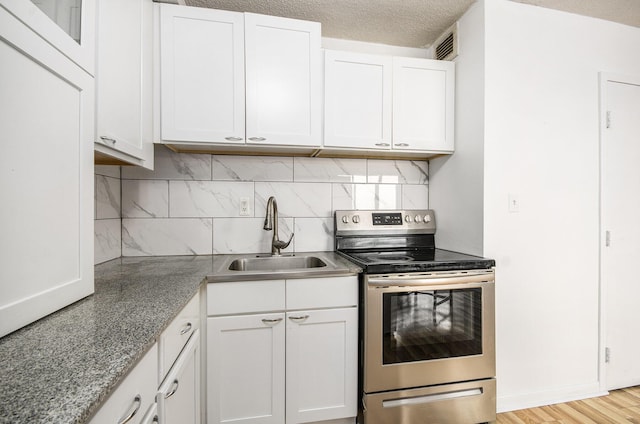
(276, 263)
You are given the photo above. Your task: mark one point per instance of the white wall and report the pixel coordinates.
(456, 181)
(541, 144)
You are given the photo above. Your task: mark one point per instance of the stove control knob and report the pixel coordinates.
(408, 218)
(345, 219)
(418, 218)
(356, 219)
(427, 219)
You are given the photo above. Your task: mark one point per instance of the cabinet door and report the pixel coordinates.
(245, 369)
(46, 177)
(123, 83)
(69, 26)
(134, 396)
(423, 108)
(283, 80)
(321, 364)
(179, 394)
(357, 108)
(201, 75)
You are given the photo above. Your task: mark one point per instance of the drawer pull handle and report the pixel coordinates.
(108, 140)
(133, 410)
(186, 329)
(382, 144)
(299, 319)
(402, 144)
(271, 321)
(257, 139)
(174, 389)
(233, 138)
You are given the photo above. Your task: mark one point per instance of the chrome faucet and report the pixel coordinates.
(271, 223)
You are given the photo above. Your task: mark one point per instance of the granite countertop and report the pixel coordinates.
(61, 368)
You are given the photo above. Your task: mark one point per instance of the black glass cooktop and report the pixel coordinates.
(424, 259)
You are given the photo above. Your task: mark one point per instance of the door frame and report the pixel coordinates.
(604, 79)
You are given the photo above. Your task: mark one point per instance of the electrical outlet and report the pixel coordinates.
(244, 206)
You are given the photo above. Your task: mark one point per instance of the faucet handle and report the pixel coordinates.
(281, 244)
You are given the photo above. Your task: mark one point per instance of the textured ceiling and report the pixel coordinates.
(409, 23)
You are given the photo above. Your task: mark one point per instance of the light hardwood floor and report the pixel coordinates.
(620, 406)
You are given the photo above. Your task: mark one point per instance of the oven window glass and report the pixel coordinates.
(434, 324)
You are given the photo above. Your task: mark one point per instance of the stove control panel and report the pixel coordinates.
(376, 221)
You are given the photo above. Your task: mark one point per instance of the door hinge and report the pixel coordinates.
(607, 355)
(607, 238)
(608, 119)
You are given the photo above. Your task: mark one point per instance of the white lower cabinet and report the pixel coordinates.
(245, 369)
(179, 394)
(321, 364)
(174, 364)
(134, 396)
(306, 359)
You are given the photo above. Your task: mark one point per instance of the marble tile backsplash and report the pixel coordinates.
(107, 209)
(190, 204)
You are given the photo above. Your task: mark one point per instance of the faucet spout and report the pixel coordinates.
(271, 223)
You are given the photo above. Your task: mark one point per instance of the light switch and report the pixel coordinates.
(514, 203)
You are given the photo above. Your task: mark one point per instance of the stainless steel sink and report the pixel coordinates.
(276, 263)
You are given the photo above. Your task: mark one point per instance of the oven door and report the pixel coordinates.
(428, 328)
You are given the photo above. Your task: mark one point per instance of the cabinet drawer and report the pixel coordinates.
(245, 297)
(307, 293)
(174, 337)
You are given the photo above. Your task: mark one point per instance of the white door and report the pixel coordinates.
(322, 365)
(201, 75)
(423, 104)
(283, 71)
(620, 179)
(357, 108)
(245, 369)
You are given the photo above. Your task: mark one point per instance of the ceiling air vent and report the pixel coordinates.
(446, 46)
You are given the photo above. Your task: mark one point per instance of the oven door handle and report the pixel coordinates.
(401, 281)
(431, 398)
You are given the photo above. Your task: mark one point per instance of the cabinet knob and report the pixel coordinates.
(133, 410)
(299, 319)
(108, 140)
(271, 321)
(174, 389)
(186, 329)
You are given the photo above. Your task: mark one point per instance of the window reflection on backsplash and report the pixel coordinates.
(65, 13)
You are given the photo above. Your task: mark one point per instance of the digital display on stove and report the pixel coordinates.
(387, 218)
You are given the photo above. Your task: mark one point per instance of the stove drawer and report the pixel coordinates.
(460, 403)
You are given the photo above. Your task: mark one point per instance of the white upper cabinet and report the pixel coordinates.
(283, 80)
(46, 176)
(201, 75)
(402, 106)
(423, 108)
(357, 109)
(67, 25)
(124, 82)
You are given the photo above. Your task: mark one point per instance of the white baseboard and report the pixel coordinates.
(532, 400)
